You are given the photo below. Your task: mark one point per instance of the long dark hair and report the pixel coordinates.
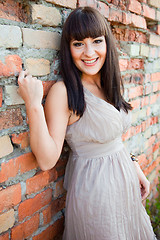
(85, 22)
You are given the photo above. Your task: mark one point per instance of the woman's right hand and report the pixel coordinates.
(30, 89)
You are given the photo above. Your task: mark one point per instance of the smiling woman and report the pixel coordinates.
(104, 187)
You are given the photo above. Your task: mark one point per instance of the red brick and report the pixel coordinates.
(12, 65)
(103, 9)
(129, 35)
(115, 15)
(142, 161)
(135, 103)
(10, 197)
(154, 98)
(145, 101)
(139, 21)
(59, 190)
(56, 206)
(126, 135)
(158, 29)
(1, 96)
(21, 139)
(10, 118)
(52, 231)
(126, 18)
(149, 12)
(123, 63)
(40, 180)
(32, 205)
(4, 236)
(136, 64)
(156, 147)
(12, 10)
(8, 170)
(148, 89)
(135, 91)
(155, 76)
(149, 169)
(26, 162)
(46, 87)
(151, 140)
(135, 6)
(26, 229)
(156, 87)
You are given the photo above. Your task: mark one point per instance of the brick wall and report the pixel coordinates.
(32, 201)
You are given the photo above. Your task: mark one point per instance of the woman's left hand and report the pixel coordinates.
(144, 183)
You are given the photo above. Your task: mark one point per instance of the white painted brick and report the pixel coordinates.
(7, 220)
(154, 3)
(65, 3)
(10, 36)
(41, 39)
(12, 97)
(144, 50)
(47, 16)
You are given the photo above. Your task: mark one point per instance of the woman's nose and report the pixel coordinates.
(89, 50)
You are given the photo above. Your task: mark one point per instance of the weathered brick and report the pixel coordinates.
(135, 91)
(115, 15)
(52, 231)
(25, 229)
(144, 50)
(12, 65)
(32, 205)
(14, 10)
(11, 36)
(21, 139)
(7, 220)
(149, 12)
(47, 16)
(10, 197)
(158, 29)
(56, 206)
(38, 67)
(40, 180)
(136, 63)
(10, 118)
(59, 190)
(147, 89)
(64, 3)
(154, 98)
(154, 39)
(41, 39)
(126, 18)
(103, 9)
(5, 146)
(139, 21)
(1, 96)
(154, 3)
(123, 63)
(135, 103)
(129, 35)
(4, 236)
(12, 97)
(26, 162)
(145, 101)
(135, 6)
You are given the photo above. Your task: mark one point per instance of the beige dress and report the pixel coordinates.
(103, 193)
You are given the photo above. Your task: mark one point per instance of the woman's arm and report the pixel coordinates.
(144, 183)
(47, 129)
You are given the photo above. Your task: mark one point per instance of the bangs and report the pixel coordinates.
(85, 24)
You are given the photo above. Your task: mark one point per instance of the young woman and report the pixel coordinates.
(105, 188)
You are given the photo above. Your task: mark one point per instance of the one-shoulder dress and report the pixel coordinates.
(103, 193)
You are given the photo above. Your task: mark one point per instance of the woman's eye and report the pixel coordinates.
(77, 44)
(98, 41)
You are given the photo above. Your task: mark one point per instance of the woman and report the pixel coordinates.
(104, 197)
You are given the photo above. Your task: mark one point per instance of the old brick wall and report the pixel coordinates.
(32, 201)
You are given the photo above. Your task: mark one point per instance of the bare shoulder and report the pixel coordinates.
(58, 88)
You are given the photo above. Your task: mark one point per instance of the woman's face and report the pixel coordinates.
(89, 54)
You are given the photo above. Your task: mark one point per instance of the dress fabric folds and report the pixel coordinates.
(103, 193)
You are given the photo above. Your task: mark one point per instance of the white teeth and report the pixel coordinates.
(91, 61)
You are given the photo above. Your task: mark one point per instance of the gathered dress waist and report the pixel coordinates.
(96, 149)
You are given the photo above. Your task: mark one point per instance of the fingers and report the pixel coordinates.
(22, 75)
